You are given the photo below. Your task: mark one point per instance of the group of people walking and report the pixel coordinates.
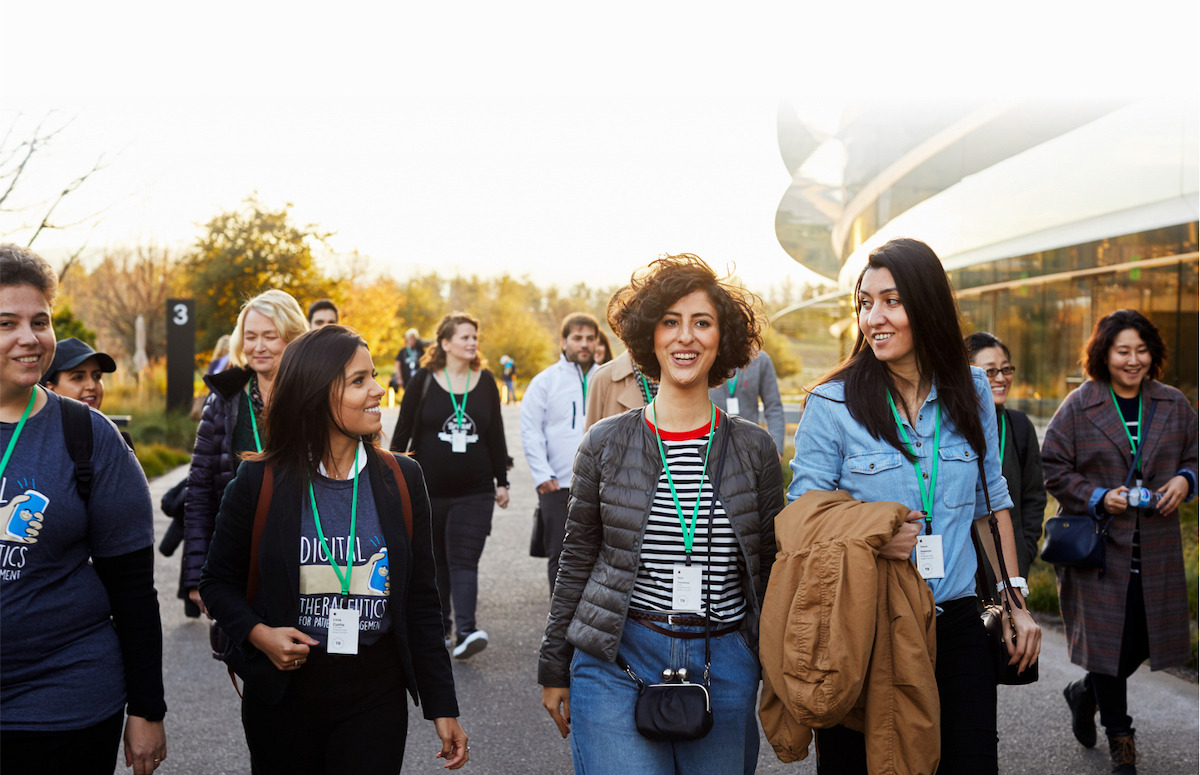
(342, 576)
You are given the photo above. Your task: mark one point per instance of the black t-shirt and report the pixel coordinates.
(482, 467)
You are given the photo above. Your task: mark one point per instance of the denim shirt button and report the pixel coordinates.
(918, 443)
(872, 466)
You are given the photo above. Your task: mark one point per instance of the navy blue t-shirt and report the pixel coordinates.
(60, 663)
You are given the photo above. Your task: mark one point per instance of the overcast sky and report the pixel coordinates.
(561, 141)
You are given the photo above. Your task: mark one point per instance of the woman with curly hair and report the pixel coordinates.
(670, 535)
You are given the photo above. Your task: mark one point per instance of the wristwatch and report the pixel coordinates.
(1017, 582)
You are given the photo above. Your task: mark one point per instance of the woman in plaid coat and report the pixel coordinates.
(1136, 609)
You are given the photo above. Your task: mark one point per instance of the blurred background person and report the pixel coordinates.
(80, 634)
(322, 312)
(647, 473)
(508, 374)
(616, 387)
(220, 356)
(450, 419)
(740, 395)
(231, 420)
(1137, 609)
(314, 702)
(78, 372)
(408, 359)
(603, 353)
(1020, 454)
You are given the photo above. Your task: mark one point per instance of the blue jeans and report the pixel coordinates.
(604, 739)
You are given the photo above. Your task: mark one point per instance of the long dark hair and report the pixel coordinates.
(300, 415)
(937, 338)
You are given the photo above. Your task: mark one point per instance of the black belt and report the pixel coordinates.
(684, 620)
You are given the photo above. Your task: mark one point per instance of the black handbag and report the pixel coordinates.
(993, 612)
(678, 711)
(1080, 541)
(537, 538)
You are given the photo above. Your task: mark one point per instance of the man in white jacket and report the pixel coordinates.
(552, 422)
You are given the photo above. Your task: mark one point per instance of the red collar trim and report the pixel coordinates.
(698, 433)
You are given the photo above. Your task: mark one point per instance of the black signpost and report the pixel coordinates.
(181, 353)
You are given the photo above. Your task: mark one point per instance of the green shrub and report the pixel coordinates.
(157, 459)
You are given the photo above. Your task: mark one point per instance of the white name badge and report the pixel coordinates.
(731, 406)
(343, 631)
(687, 589)
(458, 441)
(930, 562)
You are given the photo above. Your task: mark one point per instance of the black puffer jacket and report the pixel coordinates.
(214, 461)
(616, 473)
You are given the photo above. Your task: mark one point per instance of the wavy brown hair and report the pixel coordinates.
(435, 357)
(635, 311)
(1095, 353)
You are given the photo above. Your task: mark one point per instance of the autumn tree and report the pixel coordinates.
(244, 252)
(129, 282)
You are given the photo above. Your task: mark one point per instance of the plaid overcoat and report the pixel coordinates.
(1085, 448)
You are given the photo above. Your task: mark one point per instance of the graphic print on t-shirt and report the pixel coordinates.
(321, 590)
(22, 519)
(450, 427)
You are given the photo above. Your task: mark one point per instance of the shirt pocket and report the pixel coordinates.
(957, 474)
(873, 463)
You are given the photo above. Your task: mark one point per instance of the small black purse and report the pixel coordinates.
(678, 711)
(1080, 541)
(994, 612)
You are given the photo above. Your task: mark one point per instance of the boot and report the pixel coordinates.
(1082, 703)
(1123, 752)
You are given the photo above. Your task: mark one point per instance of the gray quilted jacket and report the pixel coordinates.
(616, 473)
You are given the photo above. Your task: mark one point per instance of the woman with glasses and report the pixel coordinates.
(1020, 457)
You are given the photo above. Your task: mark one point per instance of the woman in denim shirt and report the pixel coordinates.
(907, 390)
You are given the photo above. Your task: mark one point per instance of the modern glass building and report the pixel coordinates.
(1047, 216)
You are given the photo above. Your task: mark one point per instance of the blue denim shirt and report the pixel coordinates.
(834, 452)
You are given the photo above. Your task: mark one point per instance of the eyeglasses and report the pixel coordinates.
(1006, 371)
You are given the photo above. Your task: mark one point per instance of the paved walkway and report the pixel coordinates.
(500, 699)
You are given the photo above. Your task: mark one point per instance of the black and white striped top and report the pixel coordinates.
(662, 547)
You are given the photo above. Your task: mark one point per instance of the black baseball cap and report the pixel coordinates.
(71, 352)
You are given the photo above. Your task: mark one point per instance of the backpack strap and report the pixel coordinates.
(405, 499)
(77, 434)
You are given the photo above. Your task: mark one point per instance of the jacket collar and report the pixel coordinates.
(622, 367)
(229, 382)
(1098, 407)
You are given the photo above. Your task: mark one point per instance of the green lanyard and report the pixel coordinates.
(645, 388)
(460, 412)
(1134, 449)
(926, 494)
(583, 381)
(253, 422)
(12, 443)
(344, 578)
(733, 384)
(688, 531)
(1003, 426)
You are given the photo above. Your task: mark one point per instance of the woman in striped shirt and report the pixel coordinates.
(651, 556)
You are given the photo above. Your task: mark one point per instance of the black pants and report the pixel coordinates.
(967, 690)
(88, 751)
(340, 714)
(554, 525)
(1110, 690)
(461, 527)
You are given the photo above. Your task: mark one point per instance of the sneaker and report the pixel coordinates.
(471, 645)
(1082, 703)
(1123, 751)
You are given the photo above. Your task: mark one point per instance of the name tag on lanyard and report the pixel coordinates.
(343, 631)
(458, 441)
(930, 562)
(731, 406)
(687, 588)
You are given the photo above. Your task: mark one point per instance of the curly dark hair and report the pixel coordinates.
(1095, 353)
(635, 311)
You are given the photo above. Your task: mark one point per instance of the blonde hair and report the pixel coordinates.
(280, 308)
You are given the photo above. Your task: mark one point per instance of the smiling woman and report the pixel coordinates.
(330, 659)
